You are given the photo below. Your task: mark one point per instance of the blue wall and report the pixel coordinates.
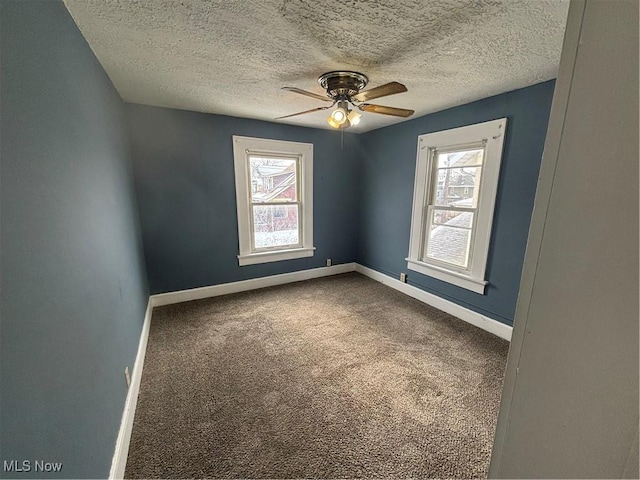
(387, 169)
(183, 163)
(73, 285)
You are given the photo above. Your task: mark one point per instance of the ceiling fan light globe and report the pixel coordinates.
(332, 122)
(339, 116)
(354, 117)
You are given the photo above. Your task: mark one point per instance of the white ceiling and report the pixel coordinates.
(231, 57)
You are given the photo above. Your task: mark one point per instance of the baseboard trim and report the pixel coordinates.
(244, 285)
(119, 461)
(469, 316)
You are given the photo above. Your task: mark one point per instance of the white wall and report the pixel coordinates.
(570, 404)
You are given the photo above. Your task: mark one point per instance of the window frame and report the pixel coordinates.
(243, 148)
(298, 161)
(490, 134)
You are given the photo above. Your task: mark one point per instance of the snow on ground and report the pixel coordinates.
(276, 239)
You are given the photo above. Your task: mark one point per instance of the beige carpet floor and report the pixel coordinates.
(339, 377)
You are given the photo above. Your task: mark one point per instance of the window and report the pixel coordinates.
(454, 197)
(274, 199)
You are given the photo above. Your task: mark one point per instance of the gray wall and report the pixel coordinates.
(570, 400)
(387, 172)
(73, 285)
(183, 163)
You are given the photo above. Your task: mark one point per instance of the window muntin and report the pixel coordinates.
(274, 198)
(454, 197)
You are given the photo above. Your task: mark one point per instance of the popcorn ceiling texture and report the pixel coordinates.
(232, 57)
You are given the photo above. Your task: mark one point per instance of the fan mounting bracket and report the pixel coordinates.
(342, 84)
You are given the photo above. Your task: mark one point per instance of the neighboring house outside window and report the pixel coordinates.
(454, 197)
(274, 194)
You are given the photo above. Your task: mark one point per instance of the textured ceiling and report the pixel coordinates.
(232, 57)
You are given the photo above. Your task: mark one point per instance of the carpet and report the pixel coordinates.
(337, 377)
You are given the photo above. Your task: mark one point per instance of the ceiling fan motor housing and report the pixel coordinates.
(341, 85)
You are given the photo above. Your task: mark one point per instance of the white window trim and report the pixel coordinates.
(492, 134)
(242, 147)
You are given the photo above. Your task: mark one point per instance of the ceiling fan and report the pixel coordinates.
(344, 88)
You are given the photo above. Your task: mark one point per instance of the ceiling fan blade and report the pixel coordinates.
(308, 94)
(396, 112)
(381, 91)
(306, 111)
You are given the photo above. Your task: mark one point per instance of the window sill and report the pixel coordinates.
(454, 278)
(275, 256)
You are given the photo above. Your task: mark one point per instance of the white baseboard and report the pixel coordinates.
(244, 285)
(119, 461)
(469, 316)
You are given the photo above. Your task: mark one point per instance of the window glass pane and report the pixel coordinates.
(457, 187)
(461, 158)
(449, 244)
(452, 218)
(275, 225)
(273, 179)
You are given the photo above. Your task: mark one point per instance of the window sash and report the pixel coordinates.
(252, 226)
(430, 206)
(426, 237)
(274, 156)
(434, 169)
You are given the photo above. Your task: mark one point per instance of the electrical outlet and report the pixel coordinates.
(328, 262)
(403, 277)
(127, 376)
